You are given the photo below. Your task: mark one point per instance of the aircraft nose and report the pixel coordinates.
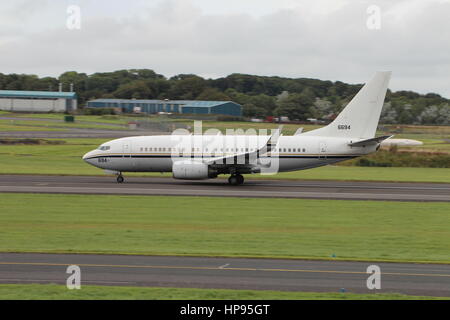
(87, 156)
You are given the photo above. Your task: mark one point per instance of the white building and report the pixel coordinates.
(37, 101)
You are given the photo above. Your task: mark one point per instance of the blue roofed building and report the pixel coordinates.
(37, 101)
(169, 106)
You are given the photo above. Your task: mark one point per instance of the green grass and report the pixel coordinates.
(59, 292)
(111, 119)
(48, 159)
(65, 159)
(235, 227)
(434, 137)
(5, 126)
(430, 145)
(24, 124)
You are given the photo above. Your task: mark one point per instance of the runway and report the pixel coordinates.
(256, 188)
(226, 273)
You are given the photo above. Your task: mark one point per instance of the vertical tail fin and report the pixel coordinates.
(360, 117)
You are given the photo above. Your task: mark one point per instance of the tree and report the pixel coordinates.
(296, 107)
(186, 87)
(134, 90)
(250, 110)
(389, 114)
(258, 94)
(213, 94)
(436, 115)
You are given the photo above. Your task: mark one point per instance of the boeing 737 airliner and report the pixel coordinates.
(196, 157)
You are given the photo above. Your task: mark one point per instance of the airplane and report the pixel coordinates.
(200, 157)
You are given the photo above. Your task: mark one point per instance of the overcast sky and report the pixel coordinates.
(324, 39)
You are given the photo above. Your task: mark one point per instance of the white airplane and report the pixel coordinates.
(197, 157)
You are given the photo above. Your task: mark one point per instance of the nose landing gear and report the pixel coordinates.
(236, 179)
(120, 178)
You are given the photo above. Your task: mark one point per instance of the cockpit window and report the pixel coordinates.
(104, 148)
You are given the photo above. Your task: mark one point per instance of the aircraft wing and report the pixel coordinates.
(246, 158)
(369, 141)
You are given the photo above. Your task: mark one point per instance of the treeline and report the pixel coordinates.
(298, 99)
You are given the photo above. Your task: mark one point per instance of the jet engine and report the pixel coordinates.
(192, 170)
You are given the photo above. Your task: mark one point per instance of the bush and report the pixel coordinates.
(385, 158)
(364, 162)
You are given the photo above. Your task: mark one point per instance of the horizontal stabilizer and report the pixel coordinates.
(361, 143)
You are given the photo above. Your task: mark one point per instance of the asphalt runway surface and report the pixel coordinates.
(256, 188)
(226, 273)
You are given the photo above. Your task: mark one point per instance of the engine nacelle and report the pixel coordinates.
(192, 170)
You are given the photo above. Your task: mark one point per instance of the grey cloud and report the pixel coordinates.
(176, 37)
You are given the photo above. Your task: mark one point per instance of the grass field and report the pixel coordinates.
(235, 227)
(65, 159)
(35, 125)
(8, 127)
(432, 145)
(434, 137)
(59, 292)
(111, 119)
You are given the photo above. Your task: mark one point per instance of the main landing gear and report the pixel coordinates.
(120, 178)
(236, 179)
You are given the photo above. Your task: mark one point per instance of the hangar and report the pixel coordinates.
(172, 106)
(37, 101)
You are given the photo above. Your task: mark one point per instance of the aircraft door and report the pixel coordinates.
(126, 148)
(126, 151)
(322, 150)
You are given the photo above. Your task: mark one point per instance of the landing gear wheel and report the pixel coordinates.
(233, 180)
(236, 179)
(120, 179)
